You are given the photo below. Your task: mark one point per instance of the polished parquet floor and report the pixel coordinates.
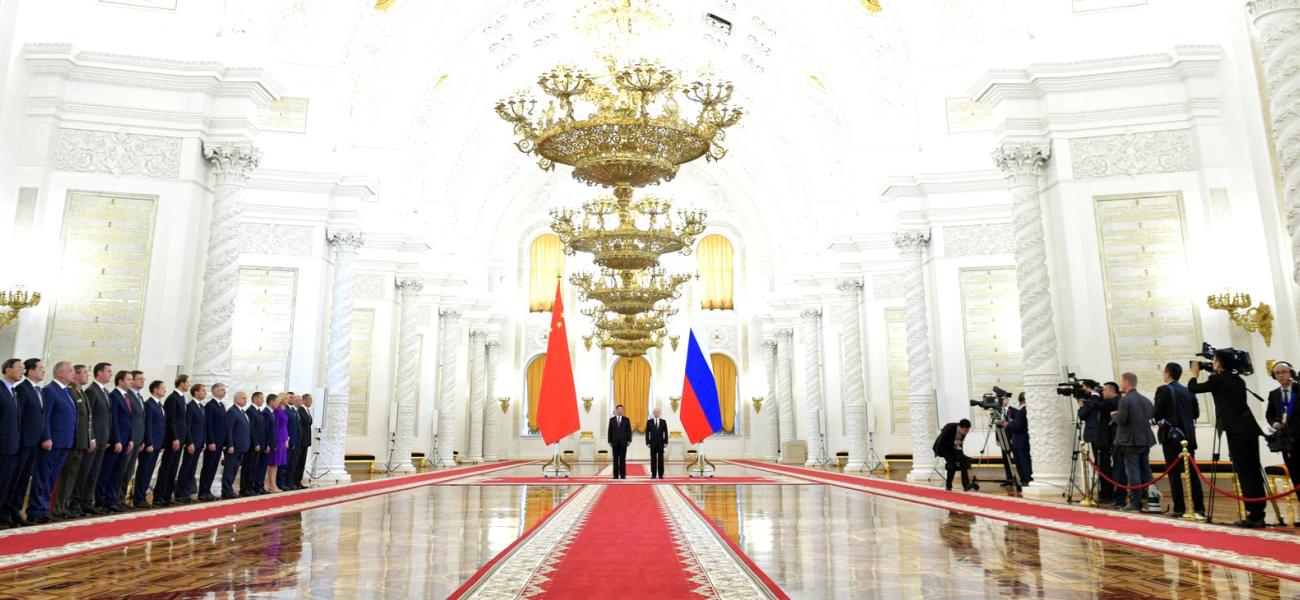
(814, 541)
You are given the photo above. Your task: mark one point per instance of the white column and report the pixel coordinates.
(408, 374)
(231, 165)
(785, 384)
(771, 422)
(812, 380)
(334, 433)
(1278, 24)
(492, 418)
(852, 381)
(449, 339)
(477, 394)
(1050, 434)
(920, 378)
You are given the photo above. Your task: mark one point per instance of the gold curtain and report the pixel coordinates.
(545, 264)
(632, 390)
(716, 260)
(724, 372)
(534, 378)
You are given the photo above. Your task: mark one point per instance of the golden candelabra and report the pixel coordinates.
(1258, 319)
(623, 234)
(674, 340)
(15, 300)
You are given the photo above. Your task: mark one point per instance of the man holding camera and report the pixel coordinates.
(1133, 418)
(1175, 414)
(1017, 425)
(1094, 412)
(949, 447)
(1235, 419)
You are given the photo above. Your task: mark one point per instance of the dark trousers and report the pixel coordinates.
(106, 487)
(282, 475)
(656, 463)
(211, 460)
(1290, 459)
(1006, 465)
(619, 454)
(1101, 456)
(143, 473)
(48, 465)
(8, 473)
(300, 468)
(229, 468)
(126, 471)
(24, 466)
(263, 460)
(1243, 451)
(955, 462)
(248, 472)
(1172, 452)
(83, 498)
(1024, 463)
(69, 477)
(1120, 496)
(168, 468)
(188, 471)
(1137, 470)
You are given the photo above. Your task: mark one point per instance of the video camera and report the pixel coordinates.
(1073, 387)
(991, 400)
(1238, 361)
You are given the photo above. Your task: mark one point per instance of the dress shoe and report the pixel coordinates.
(41, 520)
(947, 487)
(1250, 524)
(229, 496)
(1130, 508)
(973, 486)
(76, 514)
(206, 497)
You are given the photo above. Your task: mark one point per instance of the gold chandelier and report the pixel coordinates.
(611, 23)
(629, 292)
(629, 327)
(622, 234)
(15, 300)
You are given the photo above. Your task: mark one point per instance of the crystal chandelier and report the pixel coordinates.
(614, 23)
(623, 234)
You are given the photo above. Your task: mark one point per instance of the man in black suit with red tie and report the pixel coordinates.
(620, 436)
(656, 437)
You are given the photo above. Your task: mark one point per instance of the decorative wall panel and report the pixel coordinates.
(363, 331)
(118, 153)
(977, 240)
(1132, 154)
(262, 339)
(275, 239)
(991, 321)
(104, 271)
(896, 340)
(885, 286)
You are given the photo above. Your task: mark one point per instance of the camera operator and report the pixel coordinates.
(1017, 425)
(1110, 394)
(949, 446)
(1134, 438)
(1280, 415)
(1004, 406)
(1095, 411)
(1176, 414)
(1235, 419)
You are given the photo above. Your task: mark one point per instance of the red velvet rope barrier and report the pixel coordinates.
(1234, 496)
(1131, 487)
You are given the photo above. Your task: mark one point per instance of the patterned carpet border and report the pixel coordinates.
(721, 566)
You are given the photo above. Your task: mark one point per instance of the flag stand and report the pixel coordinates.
(556, 467)
(702, 467)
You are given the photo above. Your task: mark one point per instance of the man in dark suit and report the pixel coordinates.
(257, 436)
(101, 423)
(214, 419)
(1134, 437)
(1233, 417)
(83, 446)
(656, 437)
(1281, 417)
(1094, 412)
(127, 430)
(174, 442)
(948, 446)
(10, 437)
(304, 422)
(136, 398)
(196, 426)
(59, 435)
(268, 441)
(1175, 413)
(284, 473)
(155, 431)
(239, 444)
(1018, 430)
(31, 434)
(620, 437)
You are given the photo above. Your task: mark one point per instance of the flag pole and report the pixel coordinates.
(556, 467)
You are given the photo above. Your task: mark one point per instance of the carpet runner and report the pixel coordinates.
(1261, 551)
(622, 541)
(30, 545)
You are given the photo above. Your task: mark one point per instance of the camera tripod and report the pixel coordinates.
(995, 417)
(1076, 458)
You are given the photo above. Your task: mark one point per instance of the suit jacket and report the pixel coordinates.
(101, 414)
(295, 431)
(137, 417)
(1231, 413)
(120, 432)
(620, 432)
(177, 423)
(60, 416)
(1018, 426)
(304, 421)
(11, 417)
(1095, 414)
(256, 426)
(239, 433)
(1273, 414)
(84, 432)
(195, 424)
(155, 424)
(214, 417)
(946, 443)
(33, 414)
(1177, 406)
(1134, 420)
(268, 427)
(656, 437)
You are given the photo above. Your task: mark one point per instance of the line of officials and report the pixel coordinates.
(75, 445)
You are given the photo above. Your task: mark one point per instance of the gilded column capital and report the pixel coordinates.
(346, 240)
(232, 160)
(409, 287)
(1024, 159)
(911, 240)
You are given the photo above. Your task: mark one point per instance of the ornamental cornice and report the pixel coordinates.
(924, 184)
(1036, 80)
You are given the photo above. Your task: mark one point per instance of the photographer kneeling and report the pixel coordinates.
(1235, 419)
(949, 447)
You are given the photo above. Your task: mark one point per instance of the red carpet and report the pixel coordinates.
(1274, 553)
(23, 547)
(637, 470)
(601, 480)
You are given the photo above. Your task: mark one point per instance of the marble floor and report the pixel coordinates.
(814, 541)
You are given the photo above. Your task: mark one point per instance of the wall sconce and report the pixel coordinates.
(586, 403)
(673, 339)
(15, 300)
(505, 404)
(758, 404)
(1255, 320)
(674, 401)
(586, 341)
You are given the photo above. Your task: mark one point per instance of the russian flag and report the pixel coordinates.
(700, 412)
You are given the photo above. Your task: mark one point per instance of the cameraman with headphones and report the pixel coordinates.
(1235, 419)
(1280, 414)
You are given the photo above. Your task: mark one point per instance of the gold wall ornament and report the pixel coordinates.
(505, 403)
(384, 4)
(674, 435)
(1238, 306)
(586, 435)
(586, 403)
(758, 403)
(674, 401)
(674, 340)
(15, 300)
(872, 6)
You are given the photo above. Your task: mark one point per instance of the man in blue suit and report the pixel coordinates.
(239, 442)
(257, 435)
(31, 434)
(10, 436)
(196, 426)
(176, 438)
(1018, 429)
(283, 475)
(60, 414)
(214, 418)
(155, 431)
(121, 444)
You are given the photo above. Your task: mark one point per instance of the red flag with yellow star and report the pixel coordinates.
(557, 408)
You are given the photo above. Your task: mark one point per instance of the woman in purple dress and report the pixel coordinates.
(279, 452)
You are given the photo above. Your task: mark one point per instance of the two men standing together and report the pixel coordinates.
(620, 437)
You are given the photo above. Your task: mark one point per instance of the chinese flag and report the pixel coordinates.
(557, 408)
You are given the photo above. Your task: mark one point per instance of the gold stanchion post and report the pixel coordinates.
(1189, 511)
(1087, 477)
